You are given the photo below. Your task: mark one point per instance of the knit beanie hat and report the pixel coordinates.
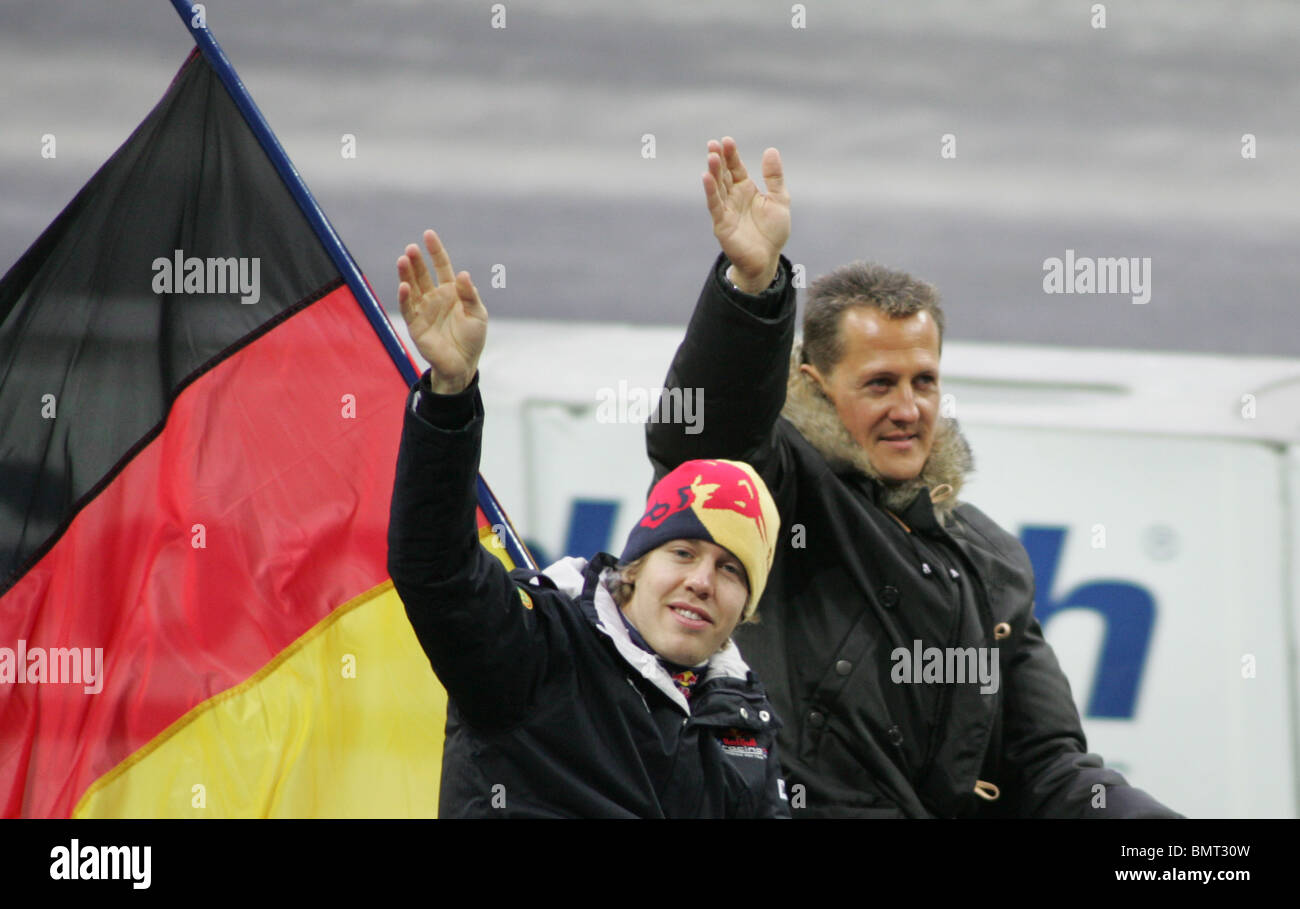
(724, 502)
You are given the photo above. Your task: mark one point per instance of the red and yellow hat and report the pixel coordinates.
(724, 502)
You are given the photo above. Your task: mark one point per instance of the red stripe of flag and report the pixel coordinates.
(247, 451)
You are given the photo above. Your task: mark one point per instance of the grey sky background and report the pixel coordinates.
(523, 145)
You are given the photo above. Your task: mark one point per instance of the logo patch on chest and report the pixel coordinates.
(738, 744)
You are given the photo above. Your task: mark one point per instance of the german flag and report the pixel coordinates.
(201, 424)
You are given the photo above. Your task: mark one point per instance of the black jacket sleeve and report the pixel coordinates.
(477, 628)
(1046, 749)
(736, 354)
(1039, 754)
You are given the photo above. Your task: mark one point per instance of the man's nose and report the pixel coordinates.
(904, 409)
(700, 579)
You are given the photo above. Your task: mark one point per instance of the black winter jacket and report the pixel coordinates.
(851, 584)
(553, 711)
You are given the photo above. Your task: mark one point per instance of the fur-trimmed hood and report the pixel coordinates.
(813, 414)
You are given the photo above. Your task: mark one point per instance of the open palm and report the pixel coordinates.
(752, 227)
(443, 311)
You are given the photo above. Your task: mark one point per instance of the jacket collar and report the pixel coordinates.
(944, 473)
(584, 581)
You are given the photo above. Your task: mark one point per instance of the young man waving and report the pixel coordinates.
(601, 688)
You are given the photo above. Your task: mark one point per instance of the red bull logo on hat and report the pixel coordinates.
(714, 484)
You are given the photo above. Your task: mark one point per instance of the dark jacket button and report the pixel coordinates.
(843, 667)
(889, 596)
(816, 719)
(895, 736)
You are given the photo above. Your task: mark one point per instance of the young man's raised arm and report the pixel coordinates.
(479, 635)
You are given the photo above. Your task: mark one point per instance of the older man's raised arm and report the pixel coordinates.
(736, 351)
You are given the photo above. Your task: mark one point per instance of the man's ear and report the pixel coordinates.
(809, 370)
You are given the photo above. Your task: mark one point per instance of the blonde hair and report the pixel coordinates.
(621, 582)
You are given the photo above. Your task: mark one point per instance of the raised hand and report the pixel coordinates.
(751, 226)
(447, 320)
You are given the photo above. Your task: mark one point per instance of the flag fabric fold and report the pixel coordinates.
(201, 428)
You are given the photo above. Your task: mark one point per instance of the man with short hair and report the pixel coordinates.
(880, 559)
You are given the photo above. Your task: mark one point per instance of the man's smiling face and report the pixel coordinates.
(688, 599)
(885, 387)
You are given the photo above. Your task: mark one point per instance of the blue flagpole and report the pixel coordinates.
(342, 259)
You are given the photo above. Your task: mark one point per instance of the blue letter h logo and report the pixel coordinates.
(1129, 611)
